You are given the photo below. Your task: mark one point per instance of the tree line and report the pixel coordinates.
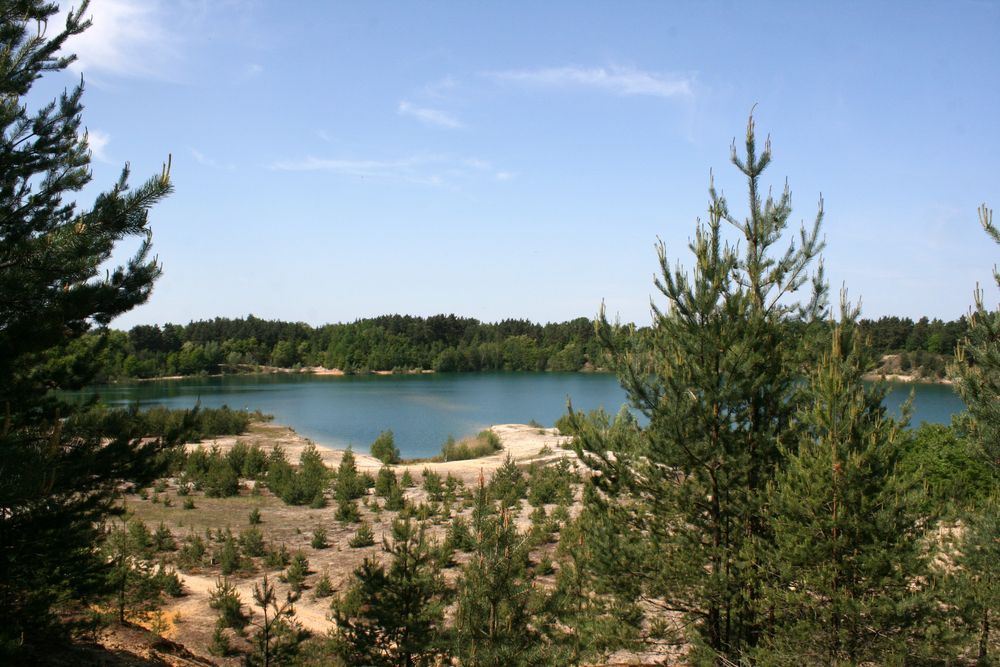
(443, 343)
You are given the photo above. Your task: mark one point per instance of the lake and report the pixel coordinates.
(423, 410)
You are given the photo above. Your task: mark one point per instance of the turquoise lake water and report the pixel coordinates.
(423, 410)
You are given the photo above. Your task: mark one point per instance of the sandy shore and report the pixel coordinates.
(522, 442)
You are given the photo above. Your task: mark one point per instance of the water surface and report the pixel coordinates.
(423, 410)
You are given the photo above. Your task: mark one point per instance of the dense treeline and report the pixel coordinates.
(443, 343)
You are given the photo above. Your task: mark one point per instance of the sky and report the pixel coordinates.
(336, 160)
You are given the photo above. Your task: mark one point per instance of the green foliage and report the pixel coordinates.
(850, 572)
(276, 558)
(485, 443)
(319, 538)
(549, 484)
(347, 512)
(172, 426)
(945, 463)
(295, 575)
(717, 380)
(507, 484)
(228, 555)
(192, 553)
(385, 482)
(278, 635)
(221, 480)
(252, 541)
(59, 279)
(497, 618)
(384, 448)
(254, 517)
(406, 481)
(226, 600)
(444, 343)
(163, 539)
(393, 616)
(978, 371)
(363, 537)
(348, 484)
(323, 587)
(433, 485)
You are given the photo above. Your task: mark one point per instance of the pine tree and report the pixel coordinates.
(393, 616)
(716, 379)
(849, 581)
(56, 486)
(279, 634)
(977, 368)
(495, 623)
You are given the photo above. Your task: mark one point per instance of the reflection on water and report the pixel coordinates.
(423, 410)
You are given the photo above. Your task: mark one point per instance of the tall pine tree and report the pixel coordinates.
(55, 486)
(717, 383)
(977, 368)
(847, 570)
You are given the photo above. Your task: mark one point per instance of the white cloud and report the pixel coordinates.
(428, 116)
(98, 141)
(441, 87)
(211, 163)
(251, 71)
(503, 176)
(437, 170)
(126, 39)
(616, 80)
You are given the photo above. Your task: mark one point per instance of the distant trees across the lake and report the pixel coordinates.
(443, 343)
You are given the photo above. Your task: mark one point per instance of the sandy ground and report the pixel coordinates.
(293, 526)
(521, 442)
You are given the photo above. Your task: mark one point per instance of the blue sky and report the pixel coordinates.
(519, 159)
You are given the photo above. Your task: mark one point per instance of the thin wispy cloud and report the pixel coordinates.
(437, 170)
(251, 71)
(98, 142)
(441, 88)
(126, 39)
(428, 116)
(209, 162)
(616, 80)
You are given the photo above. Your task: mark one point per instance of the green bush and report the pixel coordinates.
(319, 538)
(384, 448)
(363, 537)
(485, 443)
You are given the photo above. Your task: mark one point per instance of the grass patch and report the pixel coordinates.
(485, 443)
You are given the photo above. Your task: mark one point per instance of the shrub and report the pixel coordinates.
(385, 481)
(228, 556)
(188, 503)
(384, 448)
(507, 485)
(226, 600)
(485, 443)
(252, 541)
(433, 485)
(347, 512)
(295, 575)
(319, 538)
(406, 481)
(550, 484)
(163, 539)
(254, 516)
(323, 588)
(363, 537)
(276, 558)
